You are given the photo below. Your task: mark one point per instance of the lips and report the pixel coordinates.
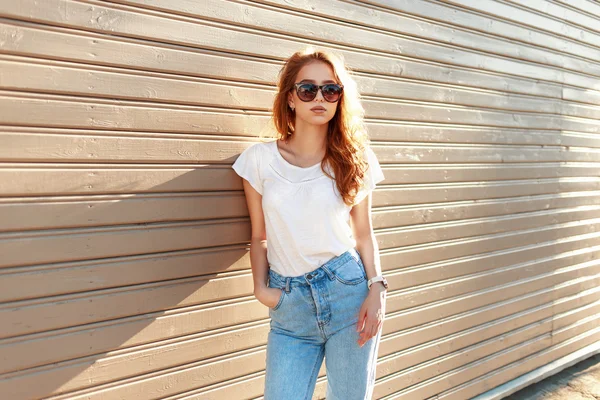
(318, 108)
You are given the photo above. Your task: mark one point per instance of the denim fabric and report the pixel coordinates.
(316, 318)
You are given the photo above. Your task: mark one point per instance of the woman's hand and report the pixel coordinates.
(268, 296)
(372, 313)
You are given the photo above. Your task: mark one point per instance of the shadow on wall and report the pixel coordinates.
(142, 270)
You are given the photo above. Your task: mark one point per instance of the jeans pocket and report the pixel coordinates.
(273, 285)
(280, 301)
(351, 273)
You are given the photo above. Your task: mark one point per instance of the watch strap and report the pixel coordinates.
(378, 278)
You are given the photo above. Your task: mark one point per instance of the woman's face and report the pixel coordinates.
(318, 73)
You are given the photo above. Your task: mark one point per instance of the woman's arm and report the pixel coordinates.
(258, 249)
(372, 312)
(366, 243)
(258, 240)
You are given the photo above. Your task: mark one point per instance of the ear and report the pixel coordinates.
(290, 100)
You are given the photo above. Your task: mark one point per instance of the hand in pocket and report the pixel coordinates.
(269, 296)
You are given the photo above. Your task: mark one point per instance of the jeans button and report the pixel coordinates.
(309, 276)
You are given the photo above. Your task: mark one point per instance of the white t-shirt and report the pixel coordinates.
(306, 221)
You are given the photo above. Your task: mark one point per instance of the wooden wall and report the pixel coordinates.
(124, 271)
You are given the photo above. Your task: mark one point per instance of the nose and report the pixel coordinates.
(319, 96)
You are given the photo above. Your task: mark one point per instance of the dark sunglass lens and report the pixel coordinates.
(332, 92)
(307, 91)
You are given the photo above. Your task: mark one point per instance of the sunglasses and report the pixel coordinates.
(308, 91)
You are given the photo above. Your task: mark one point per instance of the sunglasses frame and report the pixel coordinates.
(319, 87)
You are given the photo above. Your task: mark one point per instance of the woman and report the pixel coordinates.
(314, 257)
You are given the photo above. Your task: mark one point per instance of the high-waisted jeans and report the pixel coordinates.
(316, 318)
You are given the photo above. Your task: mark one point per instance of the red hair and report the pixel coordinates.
(346, 133)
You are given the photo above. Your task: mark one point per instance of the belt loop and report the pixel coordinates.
(328, 272)
(287, 284)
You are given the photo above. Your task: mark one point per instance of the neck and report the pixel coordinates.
(308, 139)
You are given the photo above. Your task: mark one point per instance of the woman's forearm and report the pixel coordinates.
(259, 263)
(369, 253)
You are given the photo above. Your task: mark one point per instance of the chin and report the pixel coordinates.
(318, 119)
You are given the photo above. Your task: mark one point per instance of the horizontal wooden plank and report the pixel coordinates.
(329, 31)
(67, 245)
(103, 114)
(577, 19)
(170, 355)
(418, 257)
(30, 248)
(25, 214)
(70, 112)
(251, 385)
(193, 376)
(404, 364)
(234, 125)
(481, 153)
(451, 211)
(489, 277)
(84, 276)
(87, 341)
(469, 265)
(155, 385)
(62, 44)
(527, 17)
(108, 336)
(445, 236)
(17, 146)
(522, 365)
(505, 307)
(446, 202)
(106, 305)
(397, 17)
(94, 275)
(488, 226)
(414, 194)
(25, 317)
(166, 354)
(242, 356)
(431, 313)
(107, 368)
(195, 33)
(34, 75)
(573, 337)
(79, 180)
(65, 44)
(468, 357)
(99, 211)
(404, 357)
(585, 6)
(54, 77)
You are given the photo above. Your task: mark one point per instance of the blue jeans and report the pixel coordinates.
(316, 318)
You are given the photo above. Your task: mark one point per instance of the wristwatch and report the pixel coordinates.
(379, 278)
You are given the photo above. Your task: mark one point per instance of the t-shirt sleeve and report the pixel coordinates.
(373, 175)
(247, 166)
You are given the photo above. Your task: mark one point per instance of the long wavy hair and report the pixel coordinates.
(346, 134)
